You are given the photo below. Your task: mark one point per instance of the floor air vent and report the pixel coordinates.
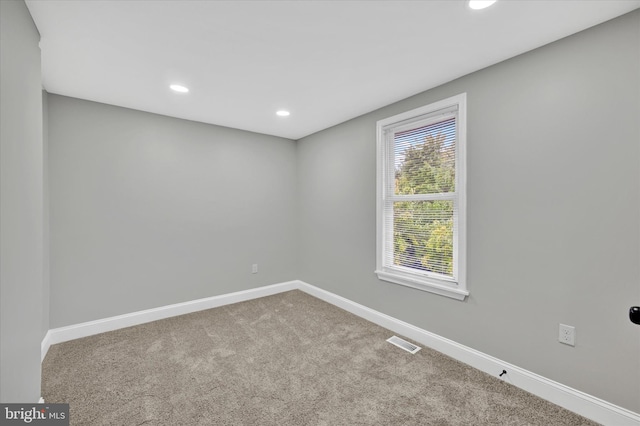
(403, 344)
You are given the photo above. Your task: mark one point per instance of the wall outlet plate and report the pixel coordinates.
(567, 335)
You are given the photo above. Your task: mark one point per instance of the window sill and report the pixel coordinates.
(422, 284)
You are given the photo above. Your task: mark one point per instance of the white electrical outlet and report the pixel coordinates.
(254, 268)
(567, 335)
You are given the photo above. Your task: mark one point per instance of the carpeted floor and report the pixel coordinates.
(288, 359)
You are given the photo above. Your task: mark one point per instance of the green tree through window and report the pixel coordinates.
(421, 198)
(423, 230)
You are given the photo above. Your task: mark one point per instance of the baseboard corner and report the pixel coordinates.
(44, 345)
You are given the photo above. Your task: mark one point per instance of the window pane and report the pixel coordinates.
(423, 235)
(424, 159)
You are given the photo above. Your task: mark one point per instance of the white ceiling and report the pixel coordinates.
(325, 61)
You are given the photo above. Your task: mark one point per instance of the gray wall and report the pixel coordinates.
(21, 204)
(45, 225)
(148, 210)
(553, 212)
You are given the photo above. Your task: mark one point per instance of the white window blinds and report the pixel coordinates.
(419, 196)
(420, 199)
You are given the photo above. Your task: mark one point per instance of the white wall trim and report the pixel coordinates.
(579, 402)
(77, 331)
(44, 346)
(453, 286)
(574, 400)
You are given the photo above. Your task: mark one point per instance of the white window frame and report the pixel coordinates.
(445, 286)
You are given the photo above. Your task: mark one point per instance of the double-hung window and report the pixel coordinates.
(421, 198)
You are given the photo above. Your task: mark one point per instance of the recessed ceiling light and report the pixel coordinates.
(283, 113)
(179, 88)
(480, 4)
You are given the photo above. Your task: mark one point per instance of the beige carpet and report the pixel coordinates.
(288, 359)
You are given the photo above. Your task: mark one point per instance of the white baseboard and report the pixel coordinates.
(579, 402)
(574, 400)
(44, 346)
(77, 331)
